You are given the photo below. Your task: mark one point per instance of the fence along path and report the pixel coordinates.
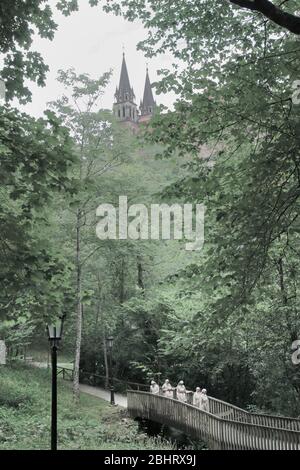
(224, 427)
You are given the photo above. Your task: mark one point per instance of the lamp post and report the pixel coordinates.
(110, 343)
(54, 336)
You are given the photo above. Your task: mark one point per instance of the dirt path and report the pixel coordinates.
(120, 400)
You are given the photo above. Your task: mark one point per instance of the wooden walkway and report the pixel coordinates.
(224, 427)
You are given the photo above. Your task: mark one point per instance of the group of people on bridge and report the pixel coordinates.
(198, 398)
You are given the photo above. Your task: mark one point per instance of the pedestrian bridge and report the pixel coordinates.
(224, 427)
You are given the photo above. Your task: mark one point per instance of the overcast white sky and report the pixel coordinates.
(91, 41)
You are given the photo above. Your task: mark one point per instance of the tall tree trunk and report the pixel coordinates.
(122, 282)
(102, 319)
(79, 312)
(284, 296)
(140, 274)
(100, 312)
(105, 360)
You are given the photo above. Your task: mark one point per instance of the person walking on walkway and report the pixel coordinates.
(167, 389)
(154, 387)
(204, 402)
(197, 397)
(181, 391)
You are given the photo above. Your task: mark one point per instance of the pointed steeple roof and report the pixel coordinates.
(148, 104)
(124, 78)
(125, 91)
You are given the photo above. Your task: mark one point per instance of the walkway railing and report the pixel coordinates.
(226, 410)
(217, 407)
(97, 380)
(220, 432)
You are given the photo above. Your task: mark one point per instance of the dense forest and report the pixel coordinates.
(224, 317)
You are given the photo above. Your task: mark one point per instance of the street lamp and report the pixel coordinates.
(54, 336)
(110, 343)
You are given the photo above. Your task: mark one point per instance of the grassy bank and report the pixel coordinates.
(91, 424)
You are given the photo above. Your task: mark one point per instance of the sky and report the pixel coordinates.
(92, 42)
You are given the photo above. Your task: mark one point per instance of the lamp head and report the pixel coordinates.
(55, 332)
(110, 341)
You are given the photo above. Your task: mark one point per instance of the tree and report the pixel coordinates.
(100, 146)
(275, 13)
(236, 118)
(196, 16)
(18, 23)
(229, 97)
(35, 158)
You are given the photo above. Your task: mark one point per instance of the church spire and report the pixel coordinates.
(124, 107)
(148, 104)
(125, 91)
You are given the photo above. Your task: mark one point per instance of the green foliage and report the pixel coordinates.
(101, 147)
(35, 161)
(224, 318)
(19, 21)
(233, 312)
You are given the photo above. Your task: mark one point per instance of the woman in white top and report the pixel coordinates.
(197, 397)
(204, 403)
(154, 388)
(181, 391)
(167, 389)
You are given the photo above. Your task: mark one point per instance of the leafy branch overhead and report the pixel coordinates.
(273, 12)
(19, 22)
(284, 14)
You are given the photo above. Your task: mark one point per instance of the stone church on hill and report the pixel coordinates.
(125, 109)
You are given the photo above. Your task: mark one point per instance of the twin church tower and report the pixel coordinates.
(125, 108)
